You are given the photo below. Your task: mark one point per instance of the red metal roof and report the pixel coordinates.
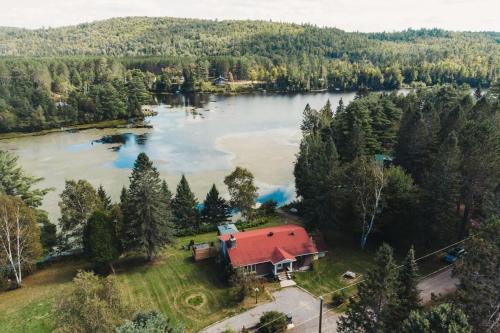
(272, 244)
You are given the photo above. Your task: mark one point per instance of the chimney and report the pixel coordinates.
(231, 243)
(270, 233)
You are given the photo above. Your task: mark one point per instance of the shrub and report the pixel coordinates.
(268, 208)
(338, 299)
(150, 322)
(273, 322)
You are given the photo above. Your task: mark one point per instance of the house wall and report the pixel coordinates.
(264, 268)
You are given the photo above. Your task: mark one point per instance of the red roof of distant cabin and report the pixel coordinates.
(273, 244)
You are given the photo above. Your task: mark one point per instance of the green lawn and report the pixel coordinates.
(174, 283)
(326, 275)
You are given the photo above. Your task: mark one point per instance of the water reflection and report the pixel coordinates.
(183, 100)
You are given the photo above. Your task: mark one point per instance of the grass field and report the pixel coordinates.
(173, 283)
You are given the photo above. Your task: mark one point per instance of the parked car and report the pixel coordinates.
(454, 254)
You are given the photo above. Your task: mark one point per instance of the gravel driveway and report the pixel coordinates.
(289, 300)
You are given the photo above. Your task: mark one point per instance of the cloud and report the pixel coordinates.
(355, 15)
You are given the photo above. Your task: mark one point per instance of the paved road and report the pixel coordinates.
(442, 283)
(304, 307)
(289, 300)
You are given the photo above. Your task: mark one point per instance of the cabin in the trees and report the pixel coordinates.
(270, 250)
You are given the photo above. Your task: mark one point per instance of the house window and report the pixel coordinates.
(250, 268)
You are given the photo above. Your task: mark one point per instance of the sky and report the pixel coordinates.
(349, 15)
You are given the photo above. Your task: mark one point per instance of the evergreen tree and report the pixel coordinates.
(443, 318)
(414, 145)
(310, 120)
(480, 165)
(215, 208)
(103, 196)
(407, 293)
(377, 295)
(317, 163)
(147, 225)
(478, 292)
(442, 190)
(15, 182)
(185, 206)
(102, 243)
(166, 195)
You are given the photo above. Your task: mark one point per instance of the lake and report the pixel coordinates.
(204, 137)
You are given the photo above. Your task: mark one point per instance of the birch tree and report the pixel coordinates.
(19, 236)
(367, 180)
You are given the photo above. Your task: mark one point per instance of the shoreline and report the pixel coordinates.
(122, 123)
(106, 124)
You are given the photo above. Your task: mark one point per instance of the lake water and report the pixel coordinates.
(203, 137)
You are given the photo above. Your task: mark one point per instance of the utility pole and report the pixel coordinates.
(320, 312)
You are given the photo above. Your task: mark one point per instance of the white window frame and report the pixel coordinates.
(250, 268)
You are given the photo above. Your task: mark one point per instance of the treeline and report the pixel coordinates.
(414, 169)
(41, 94)
(148, 216)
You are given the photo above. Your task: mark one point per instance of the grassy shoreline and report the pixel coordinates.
(118, 123)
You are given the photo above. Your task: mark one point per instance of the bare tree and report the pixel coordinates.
(19, 236)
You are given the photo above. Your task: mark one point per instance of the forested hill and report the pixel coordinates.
(147, 36)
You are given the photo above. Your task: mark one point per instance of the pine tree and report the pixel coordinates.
(215, 208)
(15, 182)
(185, 206)
(148, 226)
(310, 120)
(377, 294)
(478, 292)
(407, 293)
(103, 245)
(442, 189)
(314, 170)
(105, 199)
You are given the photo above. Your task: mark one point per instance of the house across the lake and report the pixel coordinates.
(220, 81)
(270, 250)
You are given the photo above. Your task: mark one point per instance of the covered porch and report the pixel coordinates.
(283, 266)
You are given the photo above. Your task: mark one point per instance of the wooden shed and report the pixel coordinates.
(203, 251)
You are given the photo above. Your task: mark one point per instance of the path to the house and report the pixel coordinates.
(287, 300)
(304, 307)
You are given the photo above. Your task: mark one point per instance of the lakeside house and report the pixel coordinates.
(270, 251)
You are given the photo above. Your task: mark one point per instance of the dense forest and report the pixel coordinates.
(104, 70)
(417, 169)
